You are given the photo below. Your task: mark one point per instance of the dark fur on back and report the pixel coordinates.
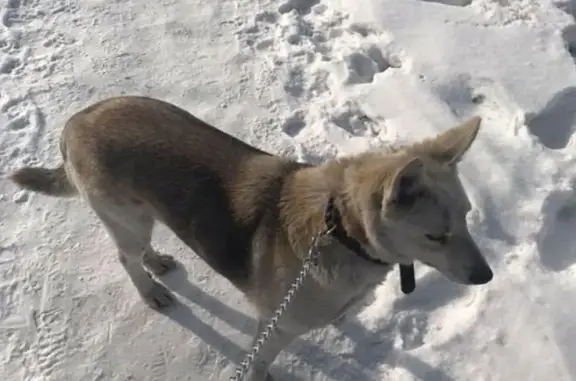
(151, 153)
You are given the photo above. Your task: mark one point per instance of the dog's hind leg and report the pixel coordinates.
(131, 229)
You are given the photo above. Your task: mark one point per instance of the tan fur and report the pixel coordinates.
(52, 182)
(249, 214)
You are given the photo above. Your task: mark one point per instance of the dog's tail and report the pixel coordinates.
(49, 181)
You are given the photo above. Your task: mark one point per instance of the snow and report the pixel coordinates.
(311, 80)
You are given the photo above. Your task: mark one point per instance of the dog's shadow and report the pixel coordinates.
(371, 348)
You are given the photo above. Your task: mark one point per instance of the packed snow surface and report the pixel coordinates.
(310, 80)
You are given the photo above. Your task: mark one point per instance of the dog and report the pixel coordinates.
(252, 216)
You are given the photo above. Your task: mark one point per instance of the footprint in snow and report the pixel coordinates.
(558, 112)
(303, 7)
(457, 3)
(556, 239)
(361, 66)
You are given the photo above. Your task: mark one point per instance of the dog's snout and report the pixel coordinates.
(481, 276)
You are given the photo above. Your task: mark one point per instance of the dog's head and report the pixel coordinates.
(419, 212)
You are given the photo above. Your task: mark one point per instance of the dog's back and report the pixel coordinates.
(137, 158)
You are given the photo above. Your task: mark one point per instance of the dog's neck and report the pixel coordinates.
(309, 208)
(304, 208)
(335, 225)
(304, 204)
(333, 222)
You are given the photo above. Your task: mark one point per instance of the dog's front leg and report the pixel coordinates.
(272, 347)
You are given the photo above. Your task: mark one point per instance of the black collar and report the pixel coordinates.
(333, 221)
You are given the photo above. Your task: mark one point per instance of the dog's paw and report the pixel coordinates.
(158, 297)
(159, 264)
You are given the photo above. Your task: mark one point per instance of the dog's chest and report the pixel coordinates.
(315, 306)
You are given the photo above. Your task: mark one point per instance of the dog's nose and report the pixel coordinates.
(481, 276)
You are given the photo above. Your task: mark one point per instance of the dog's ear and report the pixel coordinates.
(451, 145)
(402, 190)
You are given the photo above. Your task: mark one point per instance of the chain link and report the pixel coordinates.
(310, 260)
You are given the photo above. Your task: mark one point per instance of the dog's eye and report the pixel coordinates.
(409, 198)
(406, 199)
(441, 238)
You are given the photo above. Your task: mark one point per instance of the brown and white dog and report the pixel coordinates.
(252, 215)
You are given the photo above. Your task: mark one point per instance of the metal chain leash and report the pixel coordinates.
(310, 260)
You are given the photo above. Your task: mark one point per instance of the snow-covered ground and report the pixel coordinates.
(308, 79)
